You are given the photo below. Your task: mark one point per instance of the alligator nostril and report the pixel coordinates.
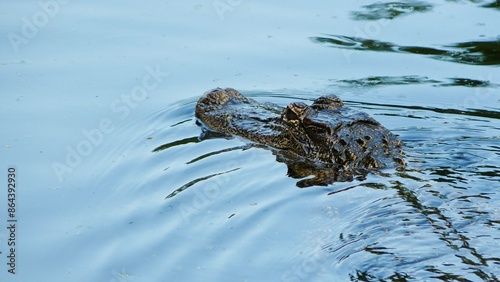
(368, 138)
(290, 115)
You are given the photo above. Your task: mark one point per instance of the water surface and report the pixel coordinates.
(115, 185)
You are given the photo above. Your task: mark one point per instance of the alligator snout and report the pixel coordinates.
(220, 96)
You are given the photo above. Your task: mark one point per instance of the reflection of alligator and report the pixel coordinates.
(325, 139)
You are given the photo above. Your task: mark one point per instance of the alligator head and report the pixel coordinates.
(325, 133)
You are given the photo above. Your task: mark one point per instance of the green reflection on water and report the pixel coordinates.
(494, 5)
(373, 81)
(471, 53)
(391, 10)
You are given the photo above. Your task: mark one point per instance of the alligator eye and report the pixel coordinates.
(289, 115)
(294, 111)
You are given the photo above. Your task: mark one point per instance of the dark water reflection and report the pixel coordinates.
(471, 53)
(395, 9)
(494, 5)
(391, 10)
(412, 79)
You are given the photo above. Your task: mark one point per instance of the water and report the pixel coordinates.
(114, 184)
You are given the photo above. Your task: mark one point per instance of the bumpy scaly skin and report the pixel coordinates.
(324, 132)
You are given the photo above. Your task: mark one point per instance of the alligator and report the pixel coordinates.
(328, 140)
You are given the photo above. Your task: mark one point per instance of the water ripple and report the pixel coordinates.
(238, 206)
